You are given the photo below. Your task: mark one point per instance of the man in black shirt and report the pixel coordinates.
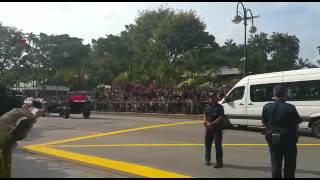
(282, 122)
(213, 122)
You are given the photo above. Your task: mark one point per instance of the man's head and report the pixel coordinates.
(280, 92)
(213, 97)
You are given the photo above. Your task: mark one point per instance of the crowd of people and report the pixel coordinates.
(156, 99)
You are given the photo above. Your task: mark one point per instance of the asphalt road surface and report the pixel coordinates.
(108, 145)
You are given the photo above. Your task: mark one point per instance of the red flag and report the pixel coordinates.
(23, 41)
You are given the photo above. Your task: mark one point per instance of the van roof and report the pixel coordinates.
(280, 73)
(285, 73)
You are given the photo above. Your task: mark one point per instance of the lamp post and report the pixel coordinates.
(237, 19)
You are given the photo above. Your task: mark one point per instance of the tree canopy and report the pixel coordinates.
(169, 46)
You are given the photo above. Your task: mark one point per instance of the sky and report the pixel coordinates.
(91, 20)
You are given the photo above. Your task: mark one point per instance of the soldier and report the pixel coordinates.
(213, 122)
(281, 121)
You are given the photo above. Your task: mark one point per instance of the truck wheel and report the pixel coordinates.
(66, 115)
(86, 115)
(316, 129)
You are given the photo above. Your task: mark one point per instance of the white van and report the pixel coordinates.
(243, 104)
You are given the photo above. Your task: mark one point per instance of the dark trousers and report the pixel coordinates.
(287, 151)
(214, 134)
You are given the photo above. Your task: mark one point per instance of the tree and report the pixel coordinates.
(227, 55)
(163, 37)
(304, 64)
(285, 49)
(12, 48)
(258, 47)
(179, 33)
(167, 74)
(111, 54)
(100, 71)
(63, 55)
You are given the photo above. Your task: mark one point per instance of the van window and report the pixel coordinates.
(236, 94)
(303, 90)
(261, 92)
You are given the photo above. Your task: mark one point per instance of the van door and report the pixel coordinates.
(305, 95)
(260, 92)
(234, 105)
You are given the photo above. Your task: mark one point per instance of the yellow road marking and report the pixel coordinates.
(108, 163)
(166, 145)
(117, 132)
(128, 145)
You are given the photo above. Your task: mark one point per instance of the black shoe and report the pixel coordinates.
(218, 166)
(208, 163)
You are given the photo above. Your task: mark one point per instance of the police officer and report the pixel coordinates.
(281, 121)
(213, 122)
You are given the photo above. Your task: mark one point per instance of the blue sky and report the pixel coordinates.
(94, 20)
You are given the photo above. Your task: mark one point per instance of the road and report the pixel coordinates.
(144, 146)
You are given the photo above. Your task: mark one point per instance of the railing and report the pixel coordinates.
(173, 107)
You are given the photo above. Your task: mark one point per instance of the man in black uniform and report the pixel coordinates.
(213, 122)
(282, 122)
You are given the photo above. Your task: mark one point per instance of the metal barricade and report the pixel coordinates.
(146, 106)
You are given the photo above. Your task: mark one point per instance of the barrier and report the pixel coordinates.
(174, 107)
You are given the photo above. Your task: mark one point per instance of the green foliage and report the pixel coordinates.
(166, 45)
(282, 48)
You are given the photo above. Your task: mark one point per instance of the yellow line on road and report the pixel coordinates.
(166, 145)
(108, 163)
(118, 132)
(129, 145)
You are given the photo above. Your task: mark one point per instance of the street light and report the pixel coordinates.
(237, 19)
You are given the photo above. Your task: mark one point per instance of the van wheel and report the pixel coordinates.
(316, 129)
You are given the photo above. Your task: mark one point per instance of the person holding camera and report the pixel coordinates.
(12, 125)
